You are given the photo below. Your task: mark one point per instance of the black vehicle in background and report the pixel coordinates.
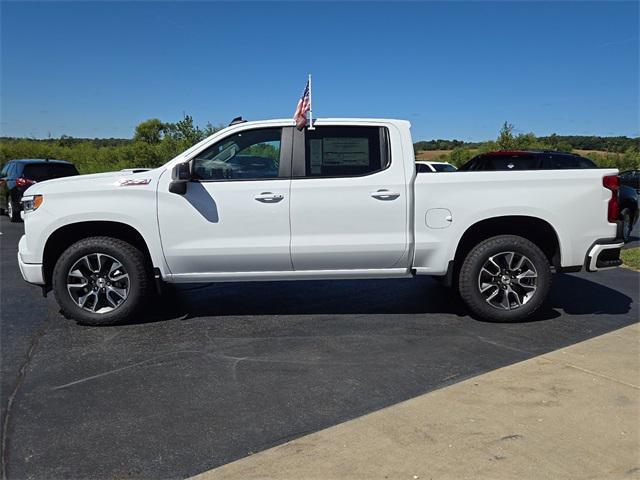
(630, 178)
(18, 175)
(526, 160)
(551, 160)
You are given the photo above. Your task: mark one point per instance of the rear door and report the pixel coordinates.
(348, 200)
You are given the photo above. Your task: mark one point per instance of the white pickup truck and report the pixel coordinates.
(263, 201)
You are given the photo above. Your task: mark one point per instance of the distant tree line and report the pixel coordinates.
(578, 142)
(617, 152)
(155, 142)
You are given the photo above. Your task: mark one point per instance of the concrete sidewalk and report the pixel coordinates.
(570, 414)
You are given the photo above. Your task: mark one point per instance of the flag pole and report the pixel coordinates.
(311, 127)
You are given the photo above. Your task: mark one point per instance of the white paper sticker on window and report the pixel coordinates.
(340, 151)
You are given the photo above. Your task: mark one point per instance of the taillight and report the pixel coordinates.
(24, 182)
(612, 182)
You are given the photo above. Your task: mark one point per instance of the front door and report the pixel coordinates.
(348, 200)
(234, 217)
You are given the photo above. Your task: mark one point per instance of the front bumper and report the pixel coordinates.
(603, 256)
(31, 272)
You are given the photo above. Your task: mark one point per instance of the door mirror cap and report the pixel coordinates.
(181, 172)
(180, 175)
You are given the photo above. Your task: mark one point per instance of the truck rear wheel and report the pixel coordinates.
(100, 281)
(505, 279)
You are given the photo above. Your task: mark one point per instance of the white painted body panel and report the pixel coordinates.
(573, 202)
(220, 227)
(352, 222)
(324, 227)
(96, 197)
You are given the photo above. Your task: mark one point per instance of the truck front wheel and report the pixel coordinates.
(505, 279)
(100, 281)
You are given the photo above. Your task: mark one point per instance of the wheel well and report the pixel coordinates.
(65, 236)
(533, 229)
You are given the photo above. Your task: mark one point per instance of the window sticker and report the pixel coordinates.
(342, 151)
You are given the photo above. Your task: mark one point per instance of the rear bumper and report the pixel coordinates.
(604, 255)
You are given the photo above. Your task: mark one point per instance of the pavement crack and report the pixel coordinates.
(126, 367)
(501, 345)
(4, 455)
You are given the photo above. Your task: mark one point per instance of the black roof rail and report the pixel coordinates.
(237, 120)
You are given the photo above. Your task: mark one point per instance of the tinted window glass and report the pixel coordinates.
(443, 167)
(252, 154)
(5, 170)
(422, 168)
(47, 171)
(344, 151)
(509, 162)
(555, 161)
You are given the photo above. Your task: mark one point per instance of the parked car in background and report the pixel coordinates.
(430, 167)
(629, 212)
(18, 175)
(631, 178)
(526, 160)
(551, 160)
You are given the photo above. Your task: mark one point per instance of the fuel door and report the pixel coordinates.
(438, 218)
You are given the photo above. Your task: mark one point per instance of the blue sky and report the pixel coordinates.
(455, 69)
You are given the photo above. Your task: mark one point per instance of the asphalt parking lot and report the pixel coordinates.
(219, 372)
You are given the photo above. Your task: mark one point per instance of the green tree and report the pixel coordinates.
(505, 139)
(150, 131)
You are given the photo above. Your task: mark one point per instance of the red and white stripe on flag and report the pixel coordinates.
(304, 104)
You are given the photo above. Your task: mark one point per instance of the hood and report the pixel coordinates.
(94, 181)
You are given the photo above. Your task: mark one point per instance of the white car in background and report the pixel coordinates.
(430, 167)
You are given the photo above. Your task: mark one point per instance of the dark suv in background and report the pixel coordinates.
(526, 160)
(552, 160)
(17, 175)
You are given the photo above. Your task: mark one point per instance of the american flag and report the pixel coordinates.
(304, 105)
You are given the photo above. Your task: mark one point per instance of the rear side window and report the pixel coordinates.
(47, 171)
(345, 151)
(509, 162)
(443, 167)
(422, 168)
(558, 162)
(5, 170)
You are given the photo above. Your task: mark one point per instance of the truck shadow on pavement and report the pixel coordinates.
(570, 295)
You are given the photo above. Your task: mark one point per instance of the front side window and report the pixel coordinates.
(345, 151)
(251, 154)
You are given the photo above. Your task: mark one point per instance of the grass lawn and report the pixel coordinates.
(631, 258)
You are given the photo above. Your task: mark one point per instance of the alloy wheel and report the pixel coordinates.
(508, 280)
(98, 283)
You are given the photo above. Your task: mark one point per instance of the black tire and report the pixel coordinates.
(133, 262)
(627, 225)
(469, 279)
(13, 211)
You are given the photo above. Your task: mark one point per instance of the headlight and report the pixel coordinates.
(31, 203)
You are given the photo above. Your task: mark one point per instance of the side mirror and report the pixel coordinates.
(180, 175)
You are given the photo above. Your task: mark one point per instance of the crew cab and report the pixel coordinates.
(342, 200)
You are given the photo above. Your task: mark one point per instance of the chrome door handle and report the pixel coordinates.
(384, 194)
(268, 197)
